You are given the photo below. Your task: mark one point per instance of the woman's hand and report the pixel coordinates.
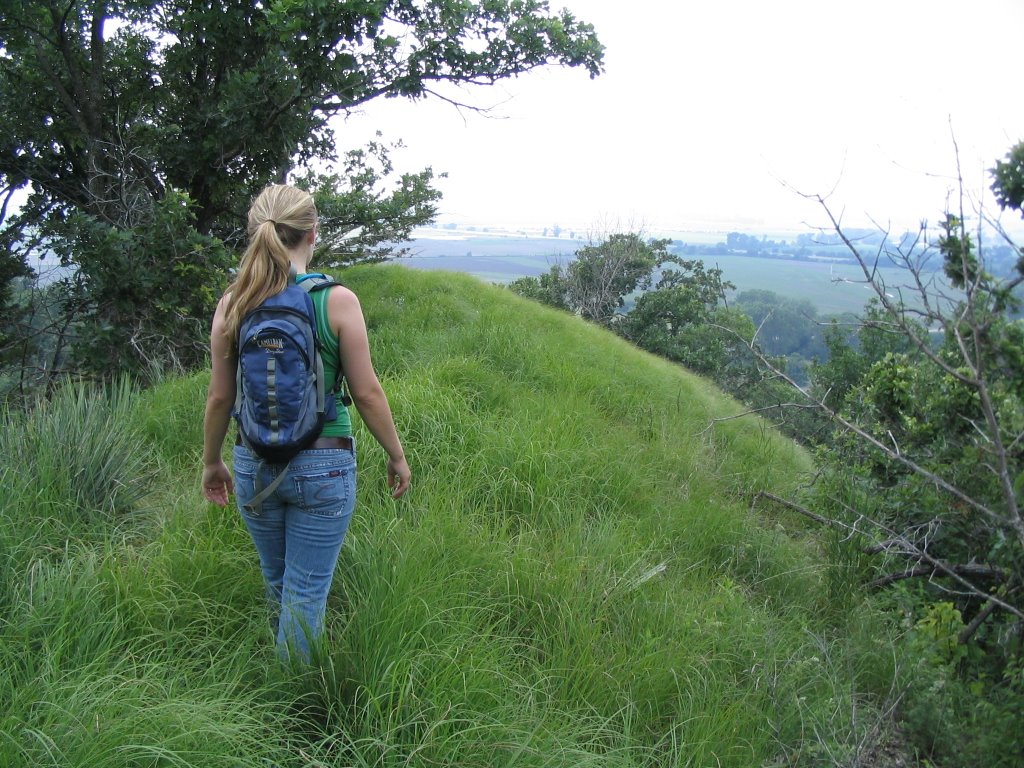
(217, 483)
(399, 477)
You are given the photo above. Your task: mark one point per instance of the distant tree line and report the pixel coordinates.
(828, 246)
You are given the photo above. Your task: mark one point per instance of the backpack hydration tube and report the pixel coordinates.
(282, 401)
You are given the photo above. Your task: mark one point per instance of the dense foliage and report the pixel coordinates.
(925, 474)
(139, 131)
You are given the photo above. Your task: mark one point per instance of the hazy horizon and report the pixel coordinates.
(719, 116)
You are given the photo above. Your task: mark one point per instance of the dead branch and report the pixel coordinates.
(796, 508)
(929, 571)
(968, 632)
(752, 411)
(938, 567)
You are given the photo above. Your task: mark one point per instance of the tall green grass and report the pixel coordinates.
(75, 456)
(73, 470)
(112, 610)
(576, 577)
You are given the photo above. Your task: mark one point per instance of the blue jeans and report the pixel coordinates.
(298, 532)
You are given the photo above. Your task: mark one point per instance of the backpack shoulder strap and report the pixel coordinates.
(316, 282)
(313, 283)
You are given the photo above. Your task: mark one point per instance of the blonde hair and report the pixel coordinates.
(279, 218)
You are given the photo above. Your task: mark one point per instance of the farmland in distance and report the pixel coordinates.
(832, 288)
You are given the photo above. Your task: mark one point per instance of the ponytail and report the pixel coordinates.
(279, 218)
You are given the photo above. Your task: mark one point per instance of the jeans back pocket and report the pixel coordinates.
(329, 492)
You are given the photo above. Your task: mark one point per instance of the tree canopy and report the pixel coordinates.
(215, 99)
(130, 122)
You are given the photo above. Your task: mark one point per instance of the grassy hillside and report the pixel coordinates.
(575, 579)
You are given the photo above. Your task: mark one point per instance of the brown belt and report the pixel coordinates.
(344, 443)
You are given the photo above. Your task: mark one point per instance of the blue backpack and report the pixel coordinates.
(282, 401)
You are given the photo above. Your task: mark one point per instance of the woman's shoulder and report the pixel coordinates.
(341, 296)
(343, 309)
(224, 302)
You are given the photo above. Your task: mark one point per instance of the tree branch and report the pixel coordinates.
(968, 632)
(937, 566)
(969, 570)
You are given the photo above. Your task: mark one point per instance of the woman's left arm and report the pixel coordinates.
(367, 394)
(220, 399)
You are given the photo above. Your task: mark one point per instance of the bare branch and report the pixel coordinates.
(970, 357)
(894, 310)
(968, 632)
(752, 411)
(1013, 522)
(937, 566)
(972, 570)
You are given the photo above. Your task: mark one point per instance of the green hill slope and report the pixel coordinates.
(575, 578)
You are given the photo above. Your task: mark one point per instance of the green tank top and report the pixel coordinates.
(341, 426)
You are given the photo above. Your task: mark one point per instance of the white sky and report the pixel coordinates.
(707, 107)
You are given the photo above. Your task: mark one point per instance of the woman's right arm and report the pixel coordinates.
(220, 399)
(367, 394)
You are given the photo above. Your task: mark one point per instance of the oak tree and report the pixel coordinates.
(128, 122)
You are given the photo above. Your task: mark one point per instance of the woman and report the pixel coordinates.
(298, 531)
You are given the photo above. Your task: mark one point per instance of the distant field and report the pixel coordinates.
(821, 284)
(503, 259)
